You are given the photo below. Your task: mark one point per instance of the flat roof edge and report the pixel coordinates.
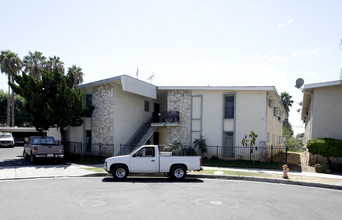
(240, 88)
(322, 84)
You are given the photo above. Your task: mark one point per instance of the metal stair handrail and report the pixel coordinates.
(140, 133)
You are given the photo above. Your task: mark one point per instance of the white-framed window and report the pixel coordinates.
(229, 106)
(88, 100)
(147, 106)
(228, 142)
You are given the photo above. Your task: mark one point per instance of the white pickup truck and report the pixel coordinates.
(148, 160)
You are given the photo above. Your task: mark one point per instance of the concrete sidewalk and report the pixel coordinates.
(46, 171)
(280, 172)
(321, 180)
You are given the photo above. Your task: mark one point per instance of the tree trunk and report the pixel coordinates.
(62, 134)
(13, 105)
(8, 103)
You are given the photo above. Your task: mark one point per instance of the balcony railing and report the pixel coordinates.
(171, 117)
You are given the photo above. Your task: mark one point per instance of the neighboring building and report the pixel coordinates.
(132, 112)
(21, 134)
(322, 109)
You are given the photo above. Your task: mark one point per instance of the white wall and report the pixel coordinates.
(250, 115)
(274, 127)
(212, 116)
(326, 112)
(54, 132)
(129, 115)
(76, 134)
(133, 85)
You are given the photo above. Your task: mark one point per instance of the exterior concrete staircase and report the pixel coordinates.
(147, 136)
(139, 138)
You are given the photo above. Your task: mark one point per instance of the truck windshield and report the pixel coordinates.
(6, 136)
(44, 140)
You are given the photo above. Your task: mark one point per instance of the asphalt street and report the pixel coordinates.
(160, 198)
(155, 198)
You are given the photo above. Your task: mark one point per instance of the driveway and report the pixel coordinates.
(13, 157)
(14, 166)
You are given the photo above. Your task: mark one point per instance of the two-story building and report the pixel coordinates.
(321, 110)
(130, 112)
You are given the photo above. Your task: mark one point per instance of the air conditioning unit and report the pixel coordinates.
(276, 112)
(272, 103)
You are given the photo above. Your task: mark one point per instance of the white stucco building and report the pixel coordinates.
(222, 115)
(129, 111)
(321, 110)
(122, 104)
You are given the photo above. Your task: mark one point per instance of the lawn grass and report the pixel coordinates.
(240, 164)
(237, 173)
(96, 169)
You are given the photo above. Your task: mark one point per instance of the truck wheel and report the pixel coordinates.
(119, 172)
(24, 154)
(33, 159)
(178, 172)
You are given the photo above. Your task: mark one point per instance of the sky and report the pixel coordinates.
(184, 42)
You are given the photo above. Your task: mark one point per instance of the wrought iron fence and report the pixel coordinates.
(168, 117)
(273, 154)
(99, 149)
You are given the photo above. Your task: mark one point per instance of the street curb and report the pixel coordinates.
(267, 180)
(211, 176)
(96, 175)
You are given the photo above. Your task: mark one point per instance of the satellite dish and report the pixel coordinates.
(299, 83)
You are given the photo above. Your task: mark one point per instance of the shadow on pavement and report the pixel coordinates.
(152, 180)
(21, 162)
(15, 162)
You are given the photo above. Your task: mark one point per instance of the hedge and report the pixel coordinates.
(326, 147)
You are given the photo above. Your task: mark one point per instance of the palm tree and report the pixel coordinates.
(34, 63)
(286, 100)
(10, 64)
(77, 73)
(54, 63)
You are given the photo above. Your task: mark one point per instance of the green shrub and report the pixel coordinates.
(188, 151)
(322, 168)
(326, 147)
(337, 168)
(214, 158)
(201, 145)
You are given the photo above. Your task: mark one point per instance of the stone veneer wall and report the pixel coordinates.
(180, 100)
(103, 115)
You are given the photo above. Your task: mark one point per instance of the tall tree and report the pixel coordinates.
(77, 73)
(10, 64)
(50, 100)
(54, 63)
(34, 63)
(22, 117)
(286, 100)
